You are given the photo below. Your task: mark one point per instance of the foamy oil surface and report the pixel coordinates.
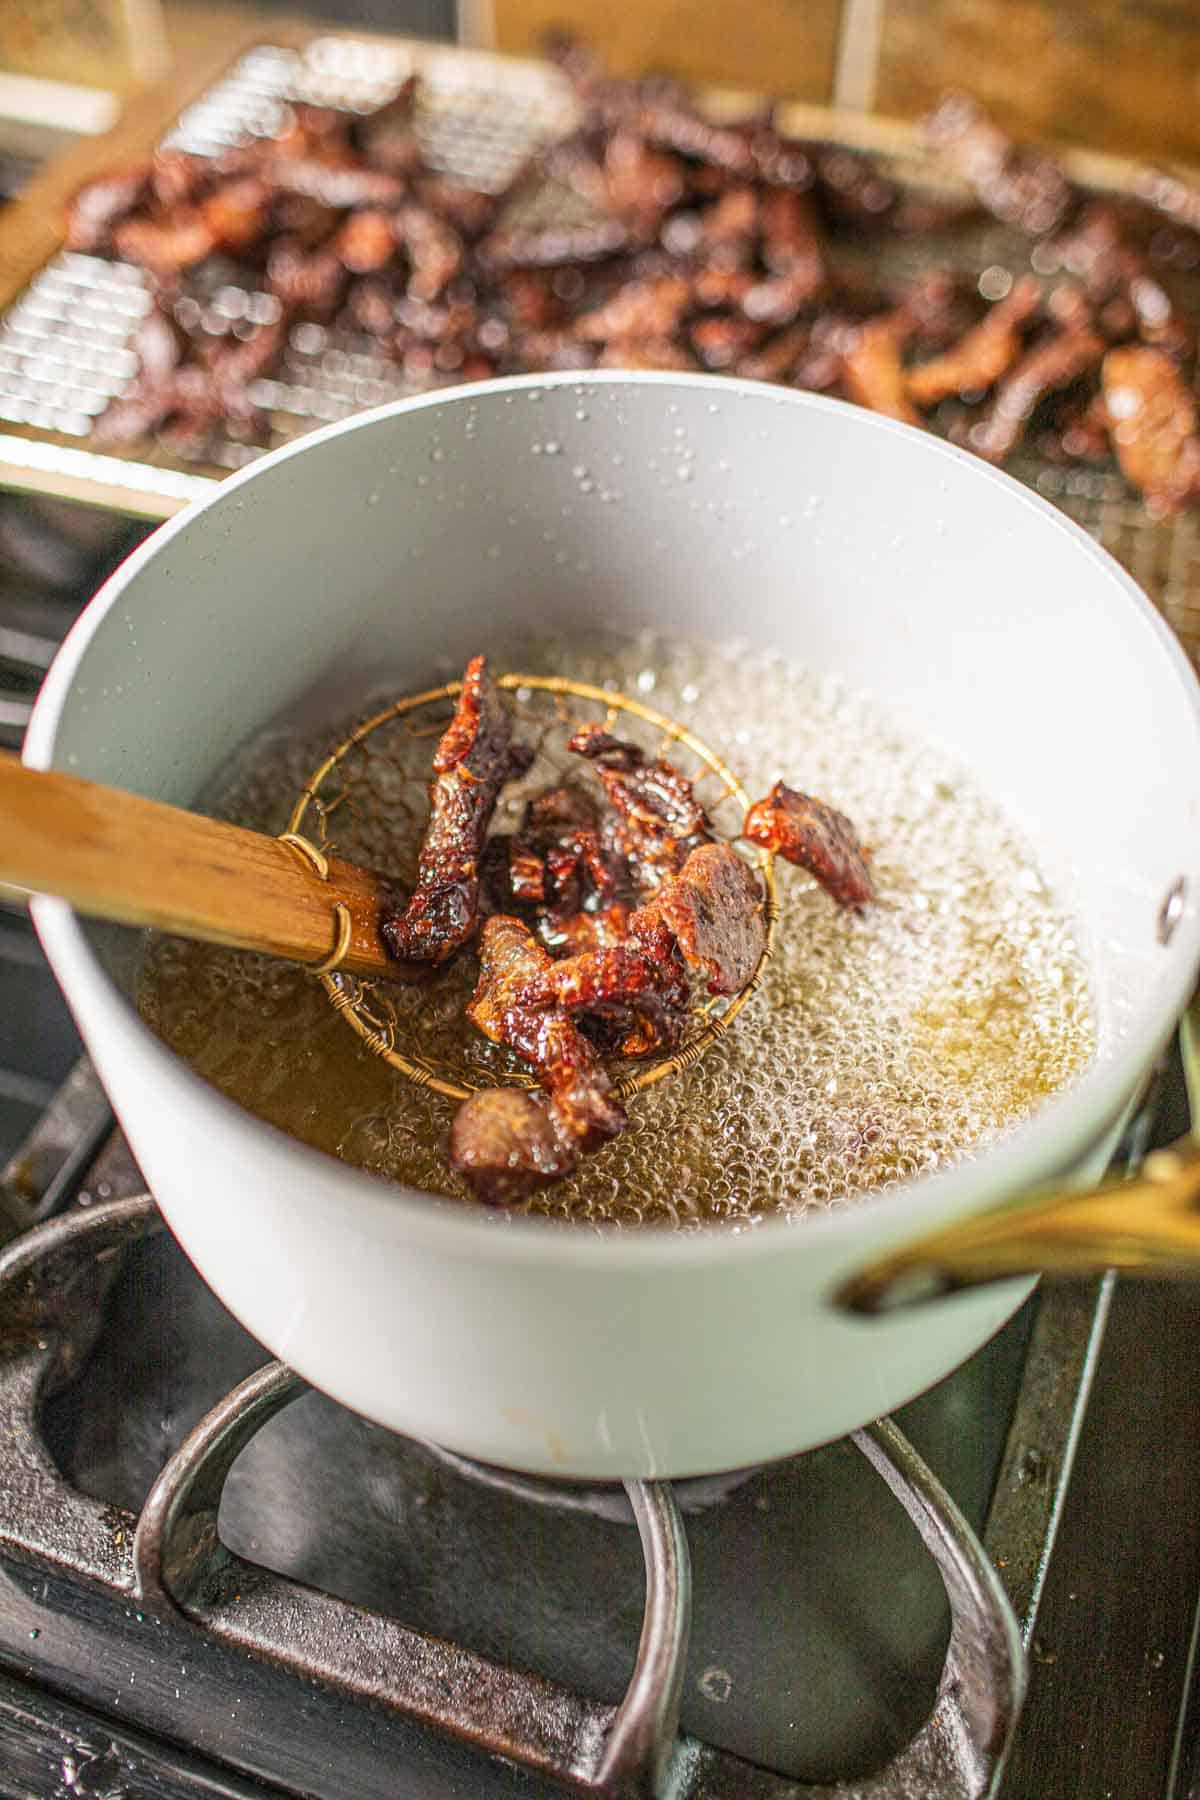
(879, 1046)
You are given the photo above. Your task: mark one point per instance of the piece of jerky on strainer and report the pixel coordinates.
(713, 911)
(658, 817)
(472, 762)
(813, 836)
(506, 1141)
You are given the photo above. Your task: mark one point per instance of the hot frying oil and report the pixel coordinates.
(879, 1046)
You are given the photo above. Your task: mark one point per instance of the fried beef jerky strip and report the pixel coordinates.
(871, 368)
(1151, 415)
(710, 914)
(657, 816)
(557, 857)
(549, 246)
(638, 310)
(569, 934)
(980, 358)
(813, 836)
(1101, 251)
(505, 1142)
(629, 180)
(470, 766)
(642, 985)
(434, 249)
(1073, 351)
(1021, 187)
(712, 910)
(168, 245)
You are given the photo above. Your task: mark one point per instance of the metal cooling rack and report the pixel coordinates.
(66, 344)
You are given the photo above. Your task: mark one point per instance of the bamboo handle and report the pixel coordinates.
(118, 856)
(1147, 1226)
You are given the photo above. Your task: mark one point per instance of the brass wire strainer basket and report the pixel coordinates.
(371, 789)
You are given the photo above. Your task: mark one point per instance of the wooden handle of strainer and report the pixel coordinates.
(118, 856)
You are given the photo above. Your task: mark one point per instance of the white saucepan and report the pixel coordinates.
(971, 608)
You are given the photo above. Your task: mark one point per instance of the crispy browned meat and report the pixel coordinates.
(237, 213)
(568, 934)
(557, 859)
(371, 306)
(434, 248)
(778, 300)
(1103, 253)
(980, 358)
(168, 245)
(639, 310)
(511, 963)
(505, 1142)
(366, 242)
(1151, 414)
(942, 306)
(724, 342)
(195, 397)
(470, 766)
(469, 211)
(342, 187)
(711, 245)
(654, 796)
(504, 1148)
(727, 231)
(712, 909)
(532, 301)
(1081, 432)
(872, 370)
(716, 286)
(640, 987)
(1070, 352)
(102, 204)
(776, 359)
(792, 243)
(637, 184)
(236, 363)
(160, 344)
(814, 836)
(1022, 187)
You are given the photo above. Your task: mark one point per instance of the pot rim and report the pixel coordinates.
(1054, 1138)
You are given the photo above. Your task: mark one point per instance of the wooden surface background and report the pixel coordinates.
(1120, 75)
